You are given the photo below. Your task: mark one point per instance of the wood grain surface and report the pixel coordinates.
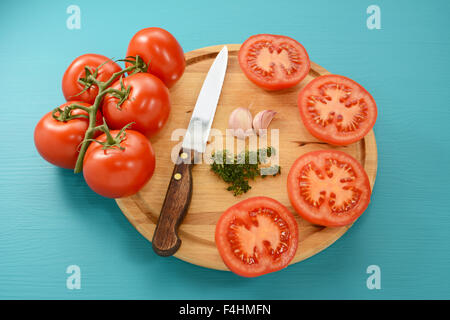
(210, 197)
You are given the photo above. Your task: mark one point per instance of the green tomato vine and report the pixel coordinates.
(90, 79)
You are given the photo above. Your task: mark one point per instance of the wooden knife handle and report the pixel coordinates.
(176, 204)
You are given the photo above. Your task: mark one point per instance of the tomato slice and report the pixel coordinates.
(328, 188)
(257, 236)
(273, 62)
(336, 109)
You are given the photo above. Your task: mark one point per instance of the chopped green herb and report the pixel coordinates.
(238, 170)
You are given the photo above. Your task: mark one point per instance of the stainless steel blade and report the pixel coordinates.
(205, 107)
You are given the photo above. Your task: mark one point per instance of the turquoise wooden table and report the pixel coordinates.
(50, 219)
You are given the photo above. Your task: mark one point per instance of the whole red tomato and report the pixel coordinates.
(70, 84)
(115, 172)
(58, 141)
(148, 105)
(161, 51)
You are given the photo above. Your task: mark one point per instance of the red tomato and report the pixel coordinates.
(273, 62)
(116, 173)
(336, 109)
(328, 188)
(257, 236)
(58, 142)
(70, 85)
(161, 51)
(148, 105)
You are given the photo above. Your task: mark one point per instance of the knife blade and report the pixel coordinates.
(165, 240)
(205, 107)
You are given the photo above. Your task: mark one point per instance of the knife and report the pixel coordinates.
(165, 240)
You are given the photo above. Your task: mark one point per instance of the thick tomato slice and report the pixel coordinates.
(257, 236)
(273, 62)
(336, 109)
(328, 188)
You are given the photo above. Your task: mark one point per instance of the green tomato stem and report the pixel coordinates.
(92, 112)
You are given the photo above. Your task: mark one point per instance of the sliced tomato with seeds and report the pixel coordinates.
(336, 109)
(328, 188)
(257, 236)
(273, 62)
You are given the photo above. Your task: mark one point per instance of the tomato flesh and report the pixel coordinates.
(336, 109)
(257, 236)
(328, 188)
(274, 62)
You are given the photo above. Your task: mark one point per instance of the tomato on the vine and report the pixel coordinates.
(161, 52)
(256, 236)
(147, 105)
(336, 109)
(273, 62)
(328, 188)
(119, 172)
(71, 85)
(58, 141)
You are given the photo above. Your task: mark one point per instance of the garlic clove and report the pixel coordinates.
(240, 122)
(262, 120)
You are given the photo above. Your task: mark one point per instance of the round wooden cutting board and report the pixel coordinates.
(210, 197)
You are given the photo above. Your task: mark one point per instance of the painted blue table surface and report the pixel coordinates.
(50, 219)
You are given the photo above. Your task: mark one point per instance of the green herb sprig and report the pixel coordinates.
(238, 170)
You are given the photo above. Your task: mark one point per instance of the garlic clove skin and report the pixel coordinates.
(240, 122)
(262, 120)
(242, 134)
